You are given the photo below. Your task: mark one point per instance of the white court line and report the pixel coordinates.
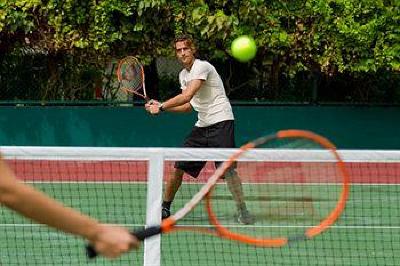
(238, 226)
(38, 225)
(193, 183)
(312, 184)
(87, 182)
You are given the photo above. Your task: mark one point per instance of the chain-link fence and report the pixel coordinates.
(31, 76)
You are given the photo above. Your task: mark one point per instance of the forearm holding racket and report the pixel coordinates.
(108, 240)
(179, 103)
(184, 108)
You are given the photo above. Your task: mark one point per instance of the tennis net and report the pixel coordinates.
(124, 186)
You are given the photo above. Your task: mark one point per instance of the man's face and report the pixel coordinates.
(184, 53)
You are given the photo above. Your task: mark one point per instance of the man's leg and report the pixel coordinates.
(172, 186)
(235, 187)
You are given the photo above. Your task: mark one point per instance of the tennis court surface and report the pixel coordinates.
(124, 186)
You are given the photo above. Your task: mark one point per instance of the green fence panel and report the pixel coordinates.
(350, 127)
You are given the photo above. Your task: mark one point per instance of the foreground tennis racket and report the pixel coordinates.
(294, 189)
(130, 74)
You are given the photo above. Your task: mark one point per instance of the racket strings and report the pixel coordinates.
(130, 74)
(283, 197)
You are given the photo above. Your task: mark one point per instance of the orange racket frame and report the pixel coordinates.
(311, 232)
(133, 61)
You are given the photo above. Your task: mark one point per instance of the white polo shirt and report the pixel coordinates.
(210, 101)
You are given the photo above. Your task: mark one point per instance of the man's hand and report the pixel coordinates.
(113, 241)
(153, 107)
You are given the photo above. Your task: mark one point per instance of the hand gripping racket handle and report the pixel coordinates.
(140, 235)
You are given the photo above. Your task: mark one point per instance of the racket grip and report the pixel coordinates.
(147, 232)
(141, 235)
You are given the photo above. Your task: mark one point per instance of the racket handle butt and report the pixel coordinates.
(91, 253)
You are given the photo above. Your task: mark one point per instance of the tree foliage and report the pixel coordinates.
(328, 37)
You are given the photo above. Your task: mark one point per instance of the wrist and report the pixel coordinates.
(161, 107)
(93, 231)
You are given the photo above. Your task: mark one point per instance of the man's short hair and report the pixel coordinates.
(185, 38)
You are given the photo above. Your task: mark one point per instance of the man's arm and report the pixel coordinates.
(179, 103)
(184, 108)
(110, 241)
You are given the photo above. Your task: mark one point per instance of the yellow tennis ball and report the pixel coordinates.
(244, 48)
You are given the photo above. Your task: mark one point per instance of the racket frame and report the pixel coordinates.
(311, 232)
(136, 63)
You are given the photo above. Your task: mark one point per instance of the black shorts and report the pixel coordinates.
(219, 135)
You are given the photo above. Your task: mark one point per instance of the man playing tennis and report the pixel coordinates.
(203, 91)
(109, 240)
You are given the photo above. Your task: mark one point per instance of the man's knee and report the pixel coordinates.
(230, 173)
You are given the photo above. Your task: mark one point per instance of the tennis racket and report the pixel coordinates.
(130, 74)
(295, 187)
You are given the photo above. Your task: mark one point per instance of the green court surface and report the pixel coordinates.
(368, 233)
